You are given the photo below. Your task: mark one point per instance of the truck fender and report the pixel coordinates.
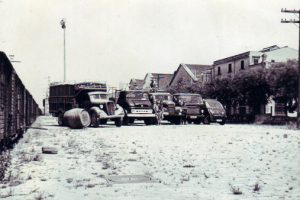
(98, 111)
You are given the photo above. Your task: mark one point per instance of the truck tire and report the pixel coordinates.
(131, 120)
(154, 121)
(178, 121)
(118, 122)
(222, 123)
(103, 121)
(206, 120)
(197, 121)
(125, 121)
(147, 121)
(94, 120)
(60, 119)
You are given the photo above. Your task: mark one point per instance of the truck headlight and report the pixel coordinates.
(101, 106)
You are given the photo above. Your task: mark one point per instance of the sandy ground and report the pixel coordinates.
(183, 162)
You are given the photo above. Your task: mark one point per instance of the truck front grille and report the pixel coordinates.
(110, 108)
(193, 110)
(171, 110)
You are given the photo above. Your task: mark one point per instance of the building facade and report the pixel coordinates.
(230, 66)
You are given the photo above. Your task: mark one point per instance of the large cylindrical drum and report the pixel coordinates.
(77, 118)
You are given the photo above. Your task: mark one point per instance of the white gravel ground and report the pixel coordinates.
(186, 162)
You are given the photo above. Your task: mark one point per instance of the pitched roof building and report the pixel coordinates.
(160, 80)
(136, 84)
(191, 73)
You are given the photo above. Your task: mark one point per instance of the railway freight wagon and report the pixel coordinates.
(17, 107)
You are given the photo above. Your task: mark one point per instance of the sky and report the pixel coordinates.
(116, 40)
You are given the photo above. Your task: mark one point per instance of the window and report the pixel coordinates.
(219, 70)
(255, 60)
(229, 68)
(242, 64)
(272, 61)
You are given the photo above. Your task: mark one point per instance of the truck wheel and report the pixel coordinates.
(94, 120)
(154, 121)
(197, 121)
(60, 119)
(206, 120)
(131, 120)
(103, 121)
(125, 121)
(178, 121)
(147, 121)
(118, 122)
(222, 123)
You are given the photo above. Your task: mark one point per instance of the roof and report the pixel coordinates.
(193, 70)
(235, 57)
(190, 94)
(271, 50)
(160, 93)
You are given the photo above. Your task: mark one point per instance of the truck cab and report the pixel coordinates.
(101, 109)
(214, 112)
(192, 106)
(163, 103)
(137, 106)
(90, 96)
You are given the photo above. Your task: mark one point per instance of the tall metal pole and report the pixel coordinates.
(63, 26)
(64, 55)
(295, 22)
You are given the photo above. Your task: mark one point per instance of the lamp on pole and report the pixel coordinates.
(63, 26)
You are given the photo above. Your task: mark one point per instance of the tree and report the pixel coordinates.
(284, 82)
(253, 88)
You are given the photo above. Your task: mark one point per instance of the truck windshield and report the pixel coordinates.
(213, 104)
(190, 99)
(98, 96)
(137, 95)
(162, 97)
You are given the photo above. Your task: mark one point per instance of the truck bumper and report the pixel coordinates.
(110, 117)
(140, 115)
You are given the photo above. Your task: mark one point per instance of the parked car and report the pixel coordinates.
(214, 112)
(137, 105)
(164, 105)
(192, 106)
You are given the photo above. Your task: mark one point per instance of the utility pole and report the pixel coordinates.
(295, 22)
(63, 26)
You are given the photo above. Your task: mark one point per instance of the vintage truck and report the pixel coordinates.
(163, 103)
(137, 106)
(90, 96)
(214, 112)
(192, 106)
